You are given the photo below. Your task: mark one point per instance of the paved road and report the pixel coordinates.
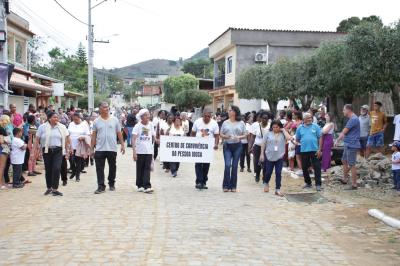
(176, 225)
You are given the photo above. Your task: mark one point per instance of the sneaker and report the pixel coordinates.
(140, 189)
(57, 193)
(148, 190)
(249, 170)
(199, 186)
(174, 174)
(18, 186)
(319, 188)
(78, 179)
(48, 191)
(257, 179)
(203, 186)
(112, 188)
(64, 183)
(100, 190)
(307, 186)
(241, 170)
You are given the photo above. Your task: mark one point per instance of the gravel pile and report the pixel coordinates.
(376, 171)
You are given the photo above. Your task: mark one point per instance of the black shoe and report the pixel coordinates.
(100, 190)
(249, 170)
(91, 162)
(31, 174)
(36, 172)
(83, 172)
(257, 179)
(18, 186)
(57, 193)
(64, 183)
(203, 186)
(72, 176)
(199, 186)
(48, 191)
(112, 188)
(241, 170)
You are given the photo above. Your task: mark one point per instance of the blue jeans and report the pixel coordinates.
(232, 154)
(269, 168)
(201, 170)
(129, 136)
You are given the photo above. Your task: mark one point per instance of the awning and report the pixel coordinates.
(19, 81)
(73, 94)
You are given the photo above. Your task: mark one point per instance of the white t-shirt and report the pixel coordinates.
(259, 132)
(205, 130)
(248, 131)
(17, 154)
(176, 132)
(76, 131)
(144, 140)
(396, 157)
(396, 123)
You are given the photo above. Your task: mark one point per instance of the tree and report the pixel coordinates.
(174, 85)
(34, 52)
(188, 99)
(81, 55)
(200, 68)
(130, 91)
(347, 25)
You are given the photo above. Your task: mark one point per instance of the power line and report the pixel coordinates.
(72, 15)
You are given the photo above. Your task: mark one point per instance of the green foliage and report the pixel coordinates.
(130, 91)
(187, 99)
(98, 98)
(174, 85)
(348, 24)
(34, 52)
(200, 68)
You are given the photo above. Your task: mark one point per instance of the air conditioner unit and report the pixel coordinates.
(260, 57)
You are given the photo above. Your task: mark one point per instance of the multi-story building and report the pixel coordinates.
(237, 49)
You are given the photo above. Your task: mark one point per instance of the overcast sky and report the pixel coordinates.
(170, 29)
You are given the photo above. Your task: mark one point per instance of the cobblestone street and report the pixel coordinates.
(176, 225)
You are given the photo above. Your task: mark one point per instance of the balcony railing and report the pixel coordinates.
(219, 81)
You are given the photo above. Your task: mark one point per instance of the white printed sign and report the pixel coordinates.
(186, 149)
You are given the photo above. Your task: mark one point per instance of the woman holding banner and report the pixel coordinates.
(175, 130)
(143, 136)
(233, 131)
(163, 131)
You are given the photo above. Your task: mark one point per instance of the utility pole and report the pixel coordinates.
(3, 48)
(90, 60)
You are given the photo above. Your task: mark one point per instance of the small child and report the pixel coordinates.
(18, 149)
(396, 165)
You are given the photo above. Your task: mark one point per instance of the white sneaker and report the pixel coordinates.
(148, 190)
(140, 189)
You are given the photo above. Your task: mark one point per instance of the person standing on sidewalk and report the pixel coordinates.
(233, 130)
(365, 127)
(245, 144)
(143, 137)
(351, 139)
(53, 139)
(176, 130)
(378, 127)
(309, 136)
(17, 156)
(130, 123)
(205, 127)
(106, 129)
(328, 131)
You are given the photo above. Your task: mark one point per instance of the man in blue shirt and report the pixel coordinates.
(351, 138)
(309, 136)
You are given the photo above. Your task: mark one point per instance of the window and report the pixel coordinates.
(18, 52)
(229, 65)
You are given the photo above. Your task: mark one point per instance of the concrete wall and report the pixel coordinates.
(220, 45)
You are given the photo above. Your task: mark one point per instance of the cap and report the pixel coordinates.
(397, 144)
(365, 107)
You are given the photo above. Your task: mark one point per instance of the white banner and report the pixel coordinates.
(186, 149)
(58, 89)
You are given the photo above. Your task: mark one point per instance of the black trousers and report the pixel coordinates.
(7, 170)
(257, 165)
(166, 165)
(156, 150)
(201, 170)
(64, 169)
(245, 154)
(308, 159)
(52, 163)
(77, 164)
(143, 167)
(100, 159)
(174, 167)
(17, 173)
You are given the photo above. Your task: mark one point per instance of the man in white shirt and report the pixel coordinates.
(396, 123)
(205, 127)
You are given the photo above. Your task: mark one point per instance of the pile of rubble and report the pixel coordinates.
(376, 171)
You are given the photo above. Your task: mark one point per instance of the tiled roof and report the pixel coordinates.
(271, 30)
